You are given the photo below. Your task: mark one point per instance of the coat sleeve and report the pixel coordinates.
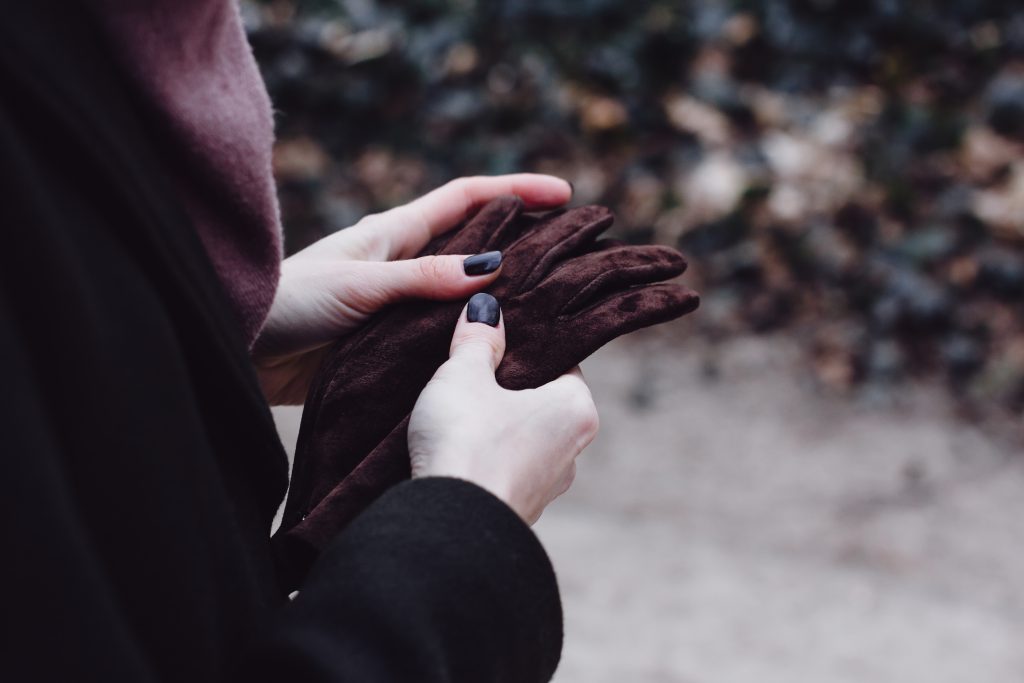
(437, 582)
(61, 614)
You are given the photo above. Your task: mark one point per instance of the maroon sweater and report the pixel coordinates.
(193, 65)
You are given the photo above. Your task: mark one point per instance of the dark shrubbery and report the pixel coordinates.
(851, 172)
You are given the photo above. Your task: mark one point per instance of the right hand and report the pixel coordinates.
(519, 445)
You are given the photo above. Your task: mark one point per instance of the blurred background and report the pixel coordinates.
(816, 476)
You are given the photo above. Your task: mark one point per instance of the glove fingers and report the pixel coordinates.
(542, 346)
(624, 312)
(551, 239)
(588, 278)
(495, 218)
(606, 243)
(512, 230)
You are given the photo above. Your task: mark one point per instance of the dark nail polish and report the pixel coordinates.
(481, 264)
(483, 308)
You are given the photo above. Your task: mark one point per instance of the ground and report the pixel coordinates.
(733, 524)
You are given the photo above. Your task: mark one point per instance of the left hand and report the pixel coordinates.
(333, 286)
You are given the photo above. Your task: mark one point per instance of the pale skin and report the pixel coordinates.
(519, 445)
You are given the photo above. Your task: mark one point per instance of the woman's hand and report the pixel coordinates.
(332, 287)
(519, 445)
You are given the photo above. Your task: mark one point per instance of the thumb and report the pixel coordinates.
(446, 276)
(480, 334)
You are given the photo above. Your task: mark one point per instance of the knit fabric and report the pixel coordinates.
(563, 294)
(194, 68)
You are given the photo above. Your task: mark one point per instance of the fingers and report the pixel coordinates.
(406, 229)
(428, 277)
(452, 202)
(479, 339)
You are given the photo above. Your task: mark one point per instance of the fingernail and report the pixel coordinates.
(572, 188)
(481, 264)
(483, 308)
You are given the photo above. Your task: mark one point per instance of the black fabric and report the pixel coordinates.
(141, 466)
(491, 562)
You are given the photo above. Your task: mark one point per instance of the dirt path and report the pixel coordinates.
(741, 528)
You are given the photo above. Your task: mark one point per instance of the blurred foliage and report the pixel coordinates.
(849, 172)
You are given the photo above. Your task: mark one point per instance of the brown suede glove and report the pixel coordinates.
(563, 296)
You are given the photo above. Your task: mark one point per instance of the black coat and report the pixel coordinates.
(141, 469)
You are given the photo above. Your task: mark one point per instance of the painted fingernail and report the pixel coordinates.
(483, 308)
(481, 264)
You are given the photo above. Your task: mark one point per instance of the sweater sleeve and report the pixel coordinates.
(438, 581)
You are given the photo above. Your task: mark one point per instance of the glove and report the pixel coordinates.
(563, 294)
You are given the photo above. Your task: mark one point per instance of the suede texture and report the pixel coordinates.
(563, 294)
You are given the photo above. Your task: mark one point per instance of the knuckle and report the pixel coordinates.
(431, 268)
(408, 215)
(583, 412)
(590, 422)
(368, 221)
(463, 188)
(485, 345)
(462, 182)
(458, 185)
